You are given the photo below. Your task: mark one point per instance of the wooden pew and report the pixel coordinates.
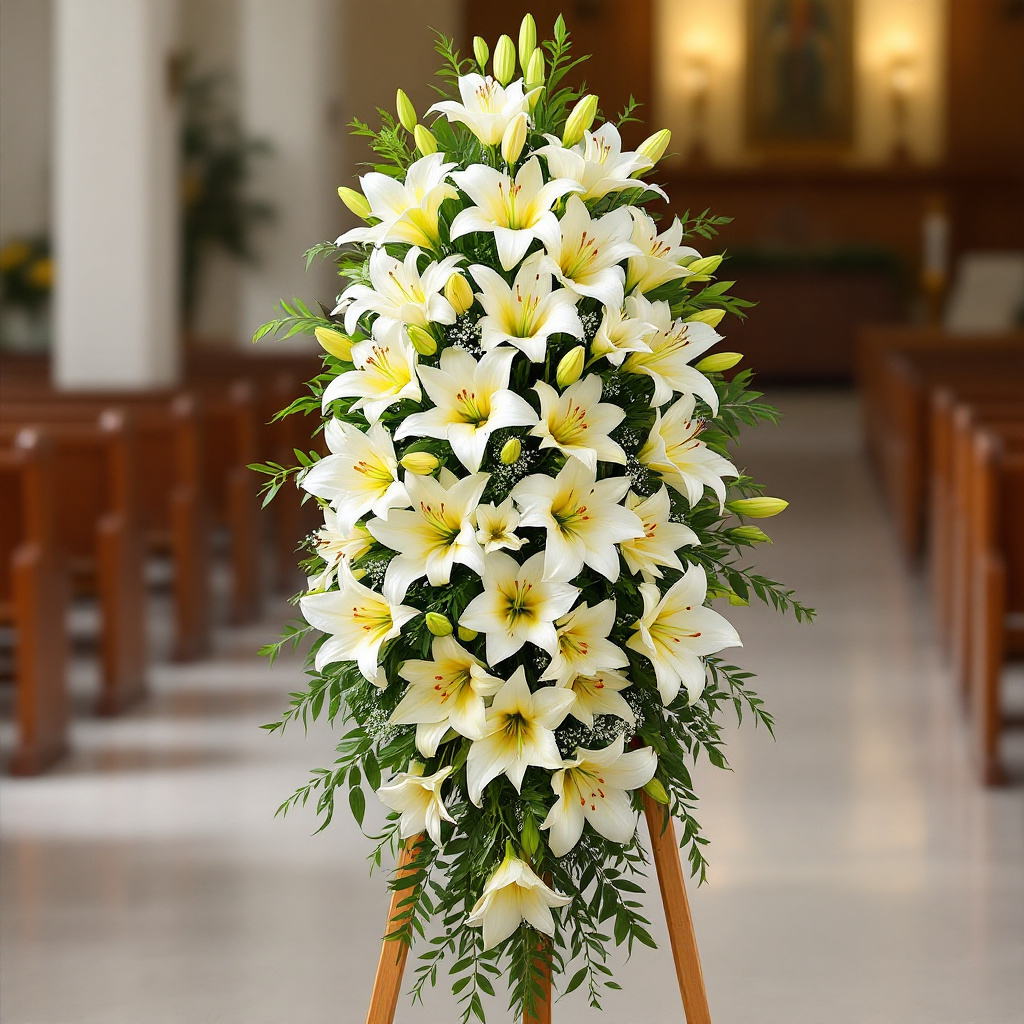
(34, 601)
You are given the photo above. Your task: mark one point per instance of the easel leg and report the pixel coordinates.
(542, 1008)
(387, 985)
(677, 914)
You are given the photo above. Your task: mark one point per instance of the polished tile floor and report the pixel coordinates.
(858, 873)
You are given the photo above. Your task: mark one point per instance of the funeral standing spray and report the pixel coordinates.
(529, 508)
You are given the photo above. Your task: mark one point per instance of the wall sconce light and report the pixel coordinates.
(696, 81)
(902, 80)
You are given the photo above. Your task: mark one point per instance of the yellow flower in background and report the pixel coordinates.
(40, 274)
(13, 254)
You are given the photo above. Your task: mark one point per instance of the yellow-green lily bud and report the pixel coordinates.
(334, 343)
(757, 508)
(481, 52)
(466, 634)
(425, 141)
(420, 463)
(406, 111)
(750, 534)
(504, 60)
(581, 118)
(711, 317)
(719, 362)
(356, 202)
(514, 139)
(511, 450)
(423, 341)
(654, 146)
(535, 75)
(459, 293)
(438, 624)
(705, 265)
(570, 366)
(527, 40)
(531, 837)
(656, 791)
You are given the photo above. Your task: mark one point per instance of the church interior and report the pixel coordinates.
(164, 165)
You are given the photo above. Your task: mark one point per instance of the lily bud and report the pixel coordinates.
(570, 366)
(438, 624)
(719, 362)
(504, 60)
(581, 118)
(420, 463)
(757, 508)
(334, 343)
(458, 292)
(466, 634)
(356, 202)
(527, 40)
(514, 139)
(511, 451)
(749, 534)
(481, 52)
(535, 75)
(406, 111)
(656, 791)
(655, 145)
(425, 141)
(421, 340)
(706, 265)
(711, 317)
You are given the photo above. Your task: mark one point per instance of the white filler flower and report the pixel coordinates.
(487, 106)
(577, 423)
(661, 540)
(583, 644)
(418, 798)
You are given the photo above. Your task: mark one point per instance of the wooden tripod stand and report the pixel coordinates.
(388, 982)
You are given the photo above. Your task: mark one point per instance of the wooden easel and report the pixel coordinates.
(388, 982)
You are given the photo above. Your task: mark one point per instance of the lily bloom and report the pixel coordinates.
(407, 211)
(496, 527)
(360, 475)
(578, 423)
(674, 450)
(471, 400)
(418, 798)
(661, 540)
(435, 534)
(676, 632)
(358, 622)
(618, 335)
(660, 254)
(519, 733)
(385, 373)
(600, 694)
(487, 106)
(672, 346)
(594, 787)
(583, 644)
(446, 693)
(515, 212)
(582, 516)
(335, 546)
(513, 894)
(517, 605)
(527, 313)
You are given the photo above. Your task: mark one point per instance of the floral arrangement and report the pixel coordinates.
(529, 507)
(26, 273)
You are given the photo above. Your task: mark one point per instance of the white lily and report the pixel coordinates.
(399, 293)
(358, 622)
(513, 894)
(660, 254)
(594, 787)
(526, 313)
(359, 476)
(517, 605)
(661, 540)
(618, 335)
(578, 423)
(584, 254)
(515, 212)
(674, 450)
(583, 519)
(446, 693)
(600, 694)
(385, 373)
(418, 798)
(435, 535)
(672, 346)
(487, 106)
(496, 527)
(583, 644)
(471, 400)
(407, 211)
(676, 633)
(336, 545)
(598, 163)
(519, 733)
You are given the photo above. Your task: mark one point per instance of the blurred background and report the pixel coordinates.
(164, 164)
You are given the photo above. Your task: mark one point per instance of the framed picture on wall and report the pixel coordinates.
(800, 91)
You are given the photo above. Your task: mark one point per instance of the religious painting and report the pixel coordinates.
(799, 75)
